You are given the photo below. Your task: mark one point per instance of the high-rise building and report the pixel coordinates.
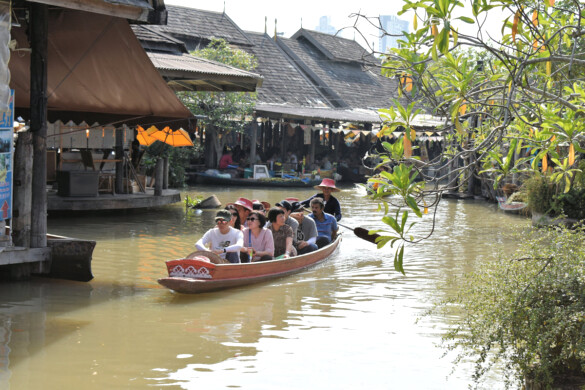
(325, 26)
(390, 24)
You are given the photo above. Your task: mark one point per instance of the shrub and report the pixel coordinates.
(572, 203)
(526, 313)
(540, 194)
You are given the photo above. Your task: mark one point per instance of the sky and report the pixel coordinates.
(250, 15)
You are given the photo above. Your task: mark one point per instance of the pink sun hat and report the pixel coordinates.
(246, 203)
(327, 183)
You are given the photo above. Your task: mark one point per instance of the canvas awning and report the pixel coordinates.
(97, 71)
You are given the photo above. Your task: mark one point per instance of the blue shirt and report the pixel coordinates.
(332, 206)
(326, 227)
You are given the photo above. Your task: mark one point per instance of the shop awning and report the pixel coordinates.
(97, 71)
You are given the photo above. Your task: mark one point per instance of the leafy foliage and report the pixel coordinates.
(179, 159)
(526, 312)
(514, 106)
(224, 111)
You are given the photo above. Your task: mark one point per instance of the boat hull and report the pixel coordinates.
(203, 178)
(213, 277)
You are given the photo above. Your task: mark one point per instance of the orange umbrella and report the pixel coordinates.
(174, 138)
(143, 137)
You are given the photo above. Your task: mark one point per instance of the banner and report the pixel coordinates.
(6, 153)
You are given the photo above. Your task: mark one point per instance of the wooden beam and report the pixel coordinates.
(39, 31)
(124, 11)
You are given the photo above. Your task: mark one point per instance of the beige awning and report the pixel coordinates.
(97, 69)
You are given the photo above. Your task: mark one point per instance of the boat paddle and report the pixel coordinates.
(358, 231)
(362, 233)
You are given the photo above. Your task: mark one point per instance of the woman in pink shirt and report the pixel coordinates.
(257, 239)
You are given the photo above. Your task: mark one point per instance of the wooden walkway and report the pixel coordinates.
(111, 201)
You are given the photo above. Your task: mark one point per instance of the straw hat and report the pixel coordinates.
(246, 203)
(327, 183)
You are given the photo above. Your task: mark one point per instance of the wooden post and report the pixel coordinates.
(165, 173)
(253, 140)
(39, 32)
(312, 147)
(158, 174)
(283, 135)
(22, 190)
(119, 149)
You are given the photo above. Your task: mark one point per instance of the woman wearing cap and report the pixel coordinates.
(223, 240)
(258, 241)
(281, 233)
(332, 205)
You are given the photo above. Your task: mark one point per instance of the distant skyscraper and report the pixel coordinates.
(325, 26)
(392, 25)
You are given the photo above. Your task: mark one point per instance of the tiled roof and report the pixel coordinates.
(153, 39)
(335, 47)
(200, 24)
(283, 82)
(354, 85)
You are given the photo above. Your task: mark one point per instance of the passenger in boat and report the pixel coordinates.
(226, 159)
(331, 203)
(260, 206)
(307, 231)
(244, 207)
(326, 224)
(286, 206)
(235, 221)
(224, 240)
(258, 241)
(281, 233)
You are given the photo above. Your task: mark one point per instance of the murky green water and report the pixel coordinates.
(349, 323)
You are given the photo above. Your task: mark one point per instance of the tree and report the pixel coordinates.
(513, 105)
(224, 111)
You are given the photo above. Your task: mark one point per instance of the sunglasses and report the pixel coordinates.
(252, 219)
(222, 221)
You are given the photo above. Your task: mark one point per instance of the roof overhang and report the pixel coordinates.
(147, 11)
(96, 68)
(313, 113)
(184, 72)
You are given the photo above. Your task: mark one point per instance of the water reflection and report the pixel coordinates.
(348, 323)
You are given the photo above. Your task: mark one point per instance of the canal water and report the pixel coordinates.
(350, 323)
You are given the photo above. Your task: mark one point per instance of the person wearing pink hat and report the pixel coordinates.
(332, 205)
(244, 207)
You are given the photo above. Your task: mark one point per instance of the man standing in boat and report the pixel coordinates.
(223, 239)
(331, 203)
(326, 224)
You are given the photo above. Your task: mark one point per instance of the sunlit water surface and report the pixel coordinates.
(349, 323)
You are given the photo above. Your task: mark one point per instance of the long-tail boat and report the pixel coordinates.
(198, 275)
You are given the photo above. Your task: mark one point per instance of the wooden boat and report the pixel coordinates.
(204, 178)
(512, 207)
(191, 276)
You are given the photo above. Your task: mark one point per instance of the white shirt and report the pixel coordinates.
(232, 241)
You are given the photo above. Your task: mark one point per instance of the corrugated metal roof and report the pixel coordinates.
(331, 114)
(187, 72)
